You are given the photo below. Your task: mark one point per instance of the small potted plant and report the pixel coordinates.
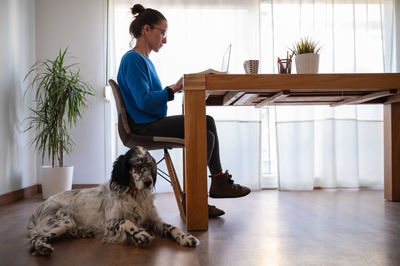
(307, 55)
(60, 100)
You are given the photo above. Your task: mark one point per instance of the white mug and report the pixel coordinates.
(251, 66)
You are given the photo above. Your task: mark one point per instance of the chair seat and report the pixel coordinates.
(177, 141)
(155, 143)
(169, 142)
(130, 139)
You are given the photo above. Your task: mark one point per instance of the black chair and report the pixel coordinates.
(129, 139)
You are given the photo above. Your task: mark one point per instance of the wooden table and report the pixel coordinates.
(281, 89)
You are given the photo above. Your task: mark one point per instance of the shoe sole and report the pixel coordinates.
(209, 216)
(227, 197)
(216, 215)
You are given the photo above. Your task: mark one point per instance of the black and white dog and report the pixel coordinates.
(119, 211)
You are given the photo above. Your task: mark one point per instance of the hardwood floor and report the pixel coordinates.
(323, 227)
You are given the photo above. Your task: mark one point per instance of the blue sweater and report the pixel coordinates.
(145, 99)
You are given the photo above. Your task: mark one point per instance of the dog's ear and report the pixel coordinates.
(120, 178)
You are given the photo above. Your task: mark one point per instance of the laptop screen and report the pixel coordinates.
(226, 58)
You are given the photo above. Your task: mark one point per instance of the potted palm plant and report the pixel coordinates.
(307, 55)
(60, 100)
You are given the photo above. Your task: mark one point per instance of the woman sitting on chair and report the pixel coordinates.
(146, 100)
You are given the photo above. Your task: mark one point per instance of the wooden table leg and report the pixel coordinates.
(195, 159)
(392, 151)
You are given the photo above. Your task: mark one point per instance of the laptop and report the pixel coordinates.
(225, 64)
(226, 59)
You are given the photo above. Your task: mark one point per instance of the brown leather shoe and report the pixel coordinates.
(222, 186)
(213, 212)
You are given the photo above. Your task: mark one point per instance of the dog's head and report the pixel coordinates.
(136, 170)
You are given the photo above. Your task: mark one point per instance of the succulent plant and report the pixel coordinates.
(304, 46)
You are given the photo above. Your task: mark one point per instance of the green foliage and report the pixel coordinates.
(304, 46)
(60, 101)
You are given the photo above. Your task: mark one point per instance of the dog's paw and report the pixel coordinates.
(187, 240)
(142, 238)
(42, 249)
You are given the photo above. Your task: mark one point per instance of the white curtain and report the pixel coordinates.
(286, 147)
(319, 146)
(355, 35)
(326, 147)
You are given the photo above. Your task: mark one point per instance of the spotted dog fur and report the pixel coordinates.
(119, 211)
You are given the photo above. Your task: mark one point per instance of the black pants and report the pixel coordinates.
(173, 126)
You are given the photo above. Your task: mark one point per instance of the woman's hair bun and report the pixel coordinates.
(137, 9)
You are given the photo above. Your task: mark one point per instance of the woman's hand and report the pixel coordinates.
(177, 86)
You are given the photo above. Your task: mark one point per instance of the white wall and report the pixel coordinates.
(17, 54)
(80, 25)
(397, 33)
(33, 30)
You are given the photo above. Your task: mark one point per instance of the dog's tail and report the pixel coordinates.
(38, 237)
(32, 228)
(38, 243)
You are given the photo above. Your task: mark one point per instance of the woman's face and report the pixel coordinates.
(157, 36)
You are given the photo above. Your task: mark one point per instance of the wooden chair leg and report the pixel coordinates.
(184, 178)
(175, 183)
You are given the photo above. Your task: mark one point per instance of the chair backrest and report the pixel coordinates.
(125, 133)
(122, 114)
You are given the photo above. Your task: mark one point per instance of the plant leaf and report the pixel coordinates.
(61, 97)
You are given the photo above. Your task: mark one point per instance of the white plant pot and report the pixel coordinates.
(307, 63)
(56, 180)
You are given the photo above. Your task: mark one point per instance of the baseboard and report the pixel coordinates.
(80, 186)
(18, 194)
(31, 191)
(74, 186)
